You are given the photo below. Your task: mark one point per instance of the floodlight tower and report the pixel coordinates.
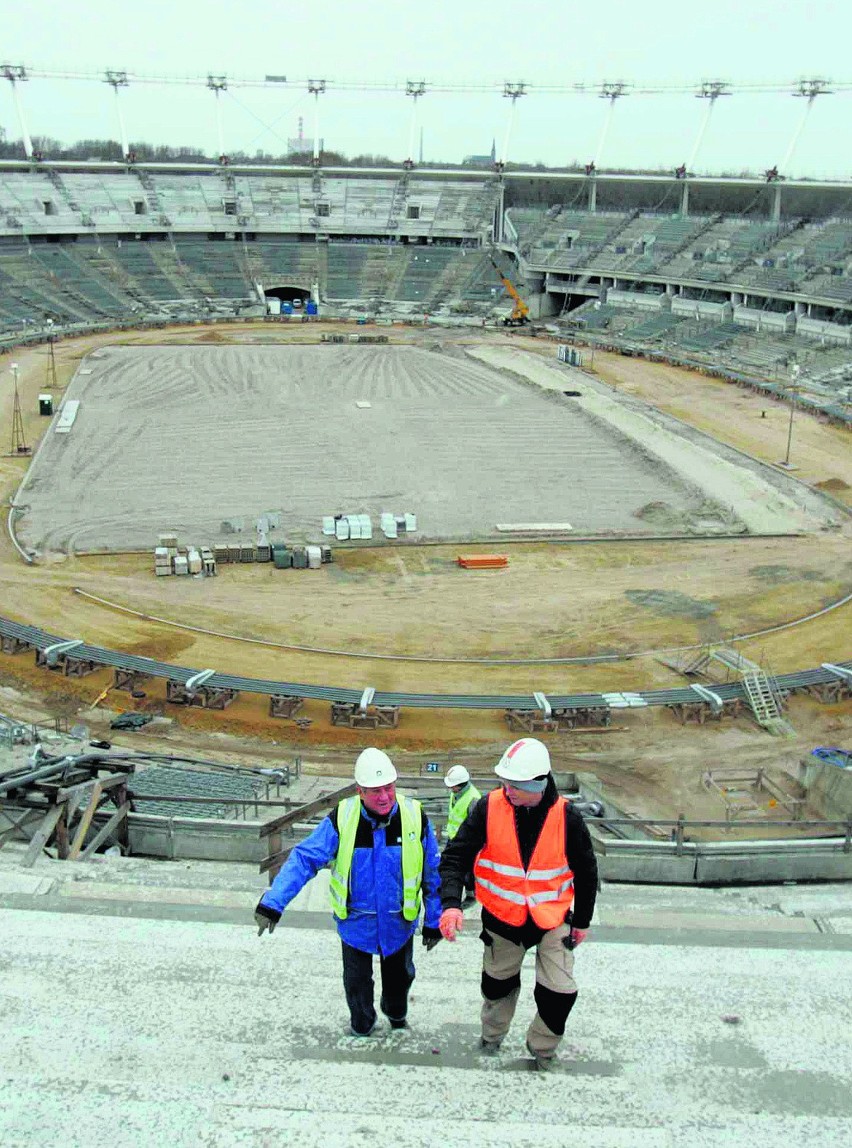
(513, 92)
(806, 90)
(117, 80)
(612, 92)
(217, 85)
(416, 89)
(16, 74)
(710, 91)
(50, 374)
(794, 388)
(19, 443)
(316, 88)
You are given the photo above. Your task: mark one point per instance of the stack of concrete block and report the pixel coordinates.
(395, 524)
(162, 561)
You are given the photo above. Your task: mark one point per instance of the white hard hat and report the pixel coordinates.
(524, 760)
(374, 768)
(456, 775)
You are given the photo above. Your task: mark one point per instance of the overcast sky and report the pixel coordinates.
(481, 42)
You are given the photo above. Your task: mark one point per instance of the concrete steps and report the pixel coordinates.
(204, 1033)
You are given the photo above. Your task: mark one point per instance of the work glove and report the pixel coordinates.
(266, 919)
(452, 921)
(431, 937)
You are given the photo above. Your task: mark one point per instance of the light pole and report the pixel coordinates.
(316, 88)
(513, 92)
(217, 85)
(794, 373)
(19, 443)
(116, 81)
(416, 89)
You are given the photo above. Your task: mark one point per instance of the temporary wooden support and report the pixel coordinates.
(119, 818)
(78, 667)
(56, 817)
(85, 821)
(207, 697)
(42, 835)
(128, 679)
(837, 690)
(376, 717)
(13, 645)
(65, 664)
(19, 820)
(284, 706)
(829, 693)
(559, 720)
(701, 711)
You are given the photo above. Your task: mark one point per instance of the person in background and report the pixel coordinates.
(536, 878)
(384, 871)
(463, 793)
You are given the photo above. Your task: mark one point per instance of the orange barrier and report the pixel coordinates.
(482, 561)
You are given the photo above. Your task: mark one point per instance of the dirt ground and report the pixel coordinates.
(241, 431)
(554, 601)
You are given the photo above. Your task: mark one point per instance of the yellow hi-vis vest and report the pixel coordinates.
(411, 818)
(458, 809)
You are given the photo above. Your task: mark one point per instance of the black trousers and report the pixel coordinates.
(397, 972)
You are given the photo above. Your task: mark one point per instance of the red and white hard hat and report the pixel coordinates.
(373, 768)
(524, 760)
(456, 775)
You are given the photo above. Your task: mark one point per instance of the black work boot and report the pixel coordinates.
(541, 1062)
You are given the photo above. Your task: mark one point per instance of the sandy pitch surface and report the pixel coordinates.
(184, 438)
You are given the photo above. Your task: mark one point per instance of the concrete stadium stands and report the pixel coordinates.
(49, 203)
(97, 247)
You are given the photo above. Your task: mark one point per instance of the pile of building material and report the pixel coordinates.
(570, 355)
(300, 557)
(169, 558)
(328, 337)
(395, 524)
(482, 561)
(347, 527)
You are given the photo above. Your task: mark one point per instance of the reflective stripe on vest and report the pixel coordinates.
(458, 809)
(411, 824)
(504, 887)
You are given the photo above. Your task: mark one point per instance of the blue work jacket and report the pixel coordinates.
(375, 923)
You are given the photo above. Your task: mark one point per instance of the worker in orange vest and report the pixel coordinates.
(536, 879)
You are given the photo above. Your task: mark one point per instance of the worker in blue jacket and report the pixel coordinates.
(383, 857)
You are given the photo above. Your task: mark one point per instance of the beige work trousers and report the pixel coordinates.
(554, 969)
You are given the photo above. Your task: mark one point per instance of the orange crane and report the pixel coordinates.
(520, 312)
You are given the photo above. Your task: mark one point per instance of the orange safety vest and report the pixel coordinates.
(504, 887)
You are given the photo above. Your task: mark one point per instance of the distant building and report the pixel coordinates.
(302, 144)
(482, 160)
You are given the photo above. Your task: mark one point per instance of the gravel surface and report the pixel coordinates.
(184, 438)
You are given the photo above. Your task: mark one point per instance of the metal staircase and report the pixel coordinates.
(765, 702)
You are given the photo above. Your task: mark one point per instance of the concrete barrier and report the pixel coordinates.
(722, 862)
